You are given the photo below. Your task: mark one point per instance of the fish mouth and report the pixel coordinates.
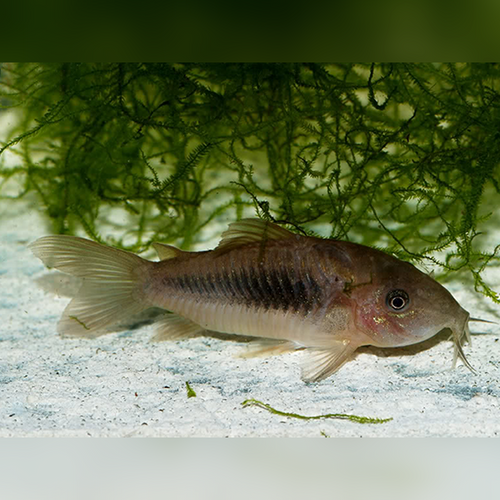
(460, 336)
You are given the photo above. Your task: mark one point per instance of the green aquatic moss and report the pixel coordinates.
(338, 416)
(400, 156)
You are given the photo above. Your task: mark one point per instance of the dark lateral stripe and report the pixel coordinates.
(238, 286)
(267, 288)
(210, 280)
(228, 281)
(290, 299)
(248, 284)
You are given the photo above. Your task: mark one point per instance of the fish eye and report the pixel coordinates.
(397, 300)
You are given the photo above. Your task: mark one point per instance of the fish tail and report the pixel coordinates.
(113, 282)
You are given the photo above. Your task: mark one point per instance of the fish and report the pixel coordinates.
(286, 290)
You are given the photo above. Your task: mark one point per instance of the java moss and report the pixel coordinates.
(400, 156)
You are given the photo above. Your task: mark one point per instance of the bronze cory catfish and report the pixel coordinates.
(324, 296)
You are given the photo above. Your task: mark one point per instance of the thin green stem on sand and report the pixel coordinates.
(338, 416)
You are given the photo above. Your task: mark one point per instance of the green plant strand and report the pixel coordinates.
(339, 416)
(190, 391)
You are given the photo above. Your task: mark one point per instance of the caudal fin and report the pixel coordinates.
(112, 287)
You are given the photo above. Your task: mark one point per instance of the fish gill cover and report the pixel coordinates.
(400, 156)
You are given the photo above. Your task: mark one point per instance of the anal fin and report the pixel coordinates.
(320, 363)
(268, 347)
(174, 327)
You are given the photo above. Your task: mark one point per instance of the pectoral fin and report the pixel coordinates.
(320, 363)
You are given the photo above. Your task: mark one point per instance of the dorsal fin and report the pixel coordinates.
(250, 231)
(166, 252)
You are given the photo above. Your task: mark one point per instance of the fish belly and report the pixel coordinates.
(243, 320)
